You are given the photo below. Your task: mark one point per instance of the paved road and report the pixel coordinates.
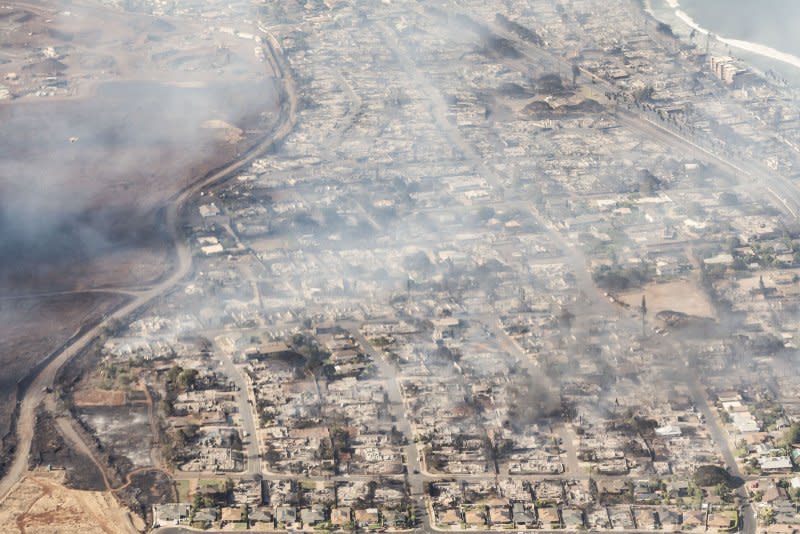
(414, 473)
(36, 392)
(721, 438)
(252, 454)
(415, 476)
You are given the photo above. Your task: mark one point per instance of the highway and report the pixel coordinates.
(36, 393)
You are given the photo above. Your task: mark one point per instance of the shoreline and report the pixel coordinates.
(758, 49)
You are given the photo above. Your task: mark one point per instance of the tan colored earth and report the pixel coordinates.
(41, 504)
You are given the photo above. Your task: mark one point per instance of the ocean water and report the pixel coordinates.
(770, 22)
(763, 33)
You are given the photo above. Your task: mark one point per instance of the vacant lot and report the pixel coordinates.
(681, 296)
(99, 397)
(88, 213)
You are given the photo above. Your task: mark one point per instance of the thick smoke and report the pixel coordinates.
(81, 177)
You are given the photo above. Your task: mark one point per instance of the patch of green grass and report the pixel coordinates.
(182, 487)
(216, 483)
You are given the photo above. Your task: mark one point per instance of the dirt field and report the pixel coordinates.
(88, 214)
(99, 397)
(681, 296)
(41, 504)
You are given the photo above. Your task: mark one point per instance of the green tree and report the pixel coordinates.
(173, 373)
(767, 515)
(724, 492)
(791, 436)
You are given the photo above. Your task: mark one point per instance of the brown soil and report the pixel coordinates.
(99, 397)
(680, 295)
(42, 504)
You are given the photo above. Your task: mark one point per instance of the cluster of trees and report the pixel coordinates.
(620, 278)
(181, 380)
(115, 374)
(178, 380)
(763, 255)
(791, 436)
(341, 442)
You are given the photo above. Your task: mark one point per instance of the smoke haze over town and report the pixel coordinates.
(397, 266)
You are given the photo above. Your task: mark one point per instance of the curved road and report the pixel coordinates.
(36, 392)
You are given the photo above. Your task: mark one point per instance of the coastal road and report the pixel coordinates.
(38, 389)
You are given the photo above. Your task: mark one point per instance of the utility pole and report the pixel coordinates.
(644, 312)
